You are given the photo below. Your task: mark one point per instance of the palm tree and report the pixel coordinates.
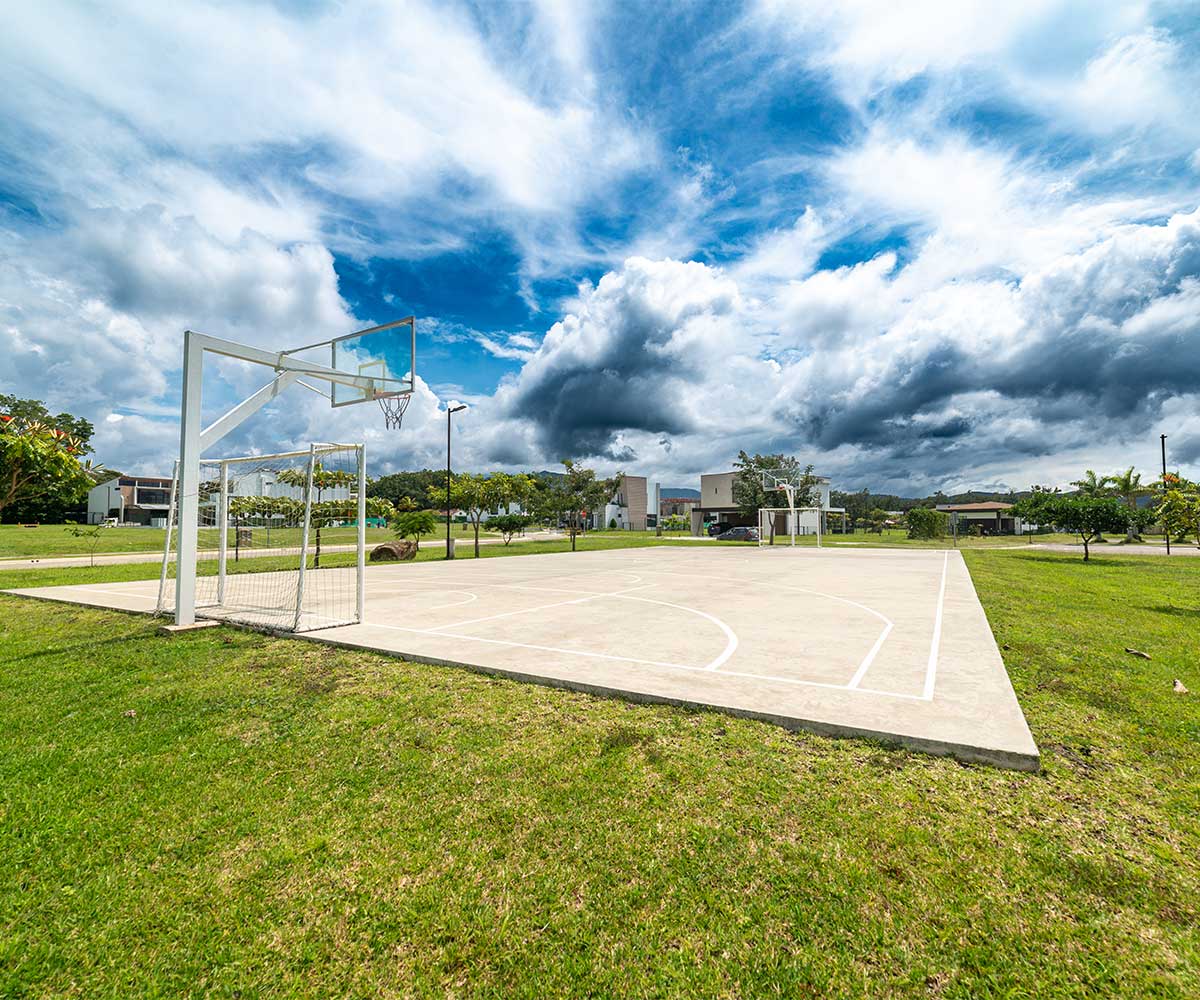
(1092, 485)
(1128, 486)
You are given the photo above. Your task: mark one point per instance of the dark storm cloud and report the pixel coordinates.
(625, 362)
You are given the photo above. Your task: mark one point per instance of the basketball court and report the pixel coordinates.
(877, 643)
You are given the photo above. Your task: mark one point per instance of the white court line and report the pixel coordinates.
(863, 667)
(731, 639)
(633, 659)
(529, 611)
(935, 645)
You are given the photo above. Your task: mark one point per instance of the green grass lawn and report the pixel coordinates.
(50, 540)
(229, 814)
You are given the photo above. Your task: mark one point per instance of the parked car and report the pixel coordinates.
(738, 535)
(718, 528)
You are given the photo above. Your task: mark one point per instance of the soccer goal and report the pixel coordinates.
(281, 540)
(781, 525)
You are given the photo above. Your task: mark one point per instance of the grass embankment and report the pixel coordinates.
(226, 813)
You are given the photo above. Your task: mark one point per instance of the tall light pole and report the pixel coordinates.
(449, 541)
(1166, 531)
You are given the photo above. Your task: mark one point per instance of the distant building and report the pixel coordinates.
(717, 506)
(669, 506)
(131, 500)
(992, 517)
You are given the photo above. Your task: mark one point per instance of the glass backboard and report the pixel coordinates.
(386, 354)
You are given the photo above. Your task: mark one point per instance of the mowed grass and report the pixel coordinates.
(49, 540)
(224, 813)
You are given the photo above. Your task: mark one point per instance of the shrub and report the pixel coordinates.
(925, 522)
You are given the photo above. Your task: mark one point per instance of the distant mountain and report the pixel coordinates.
(679, 491)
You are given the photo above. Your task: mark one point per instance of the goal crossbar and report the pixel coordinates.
(795, 521)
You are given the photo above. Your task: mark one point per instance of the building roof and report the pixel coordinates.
(963, 508)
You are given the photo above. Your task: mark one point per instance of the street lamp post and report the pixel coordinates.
(449, 541)
(1166, 531)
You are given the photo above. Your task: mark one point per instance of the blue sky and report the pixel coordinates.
(937, 245)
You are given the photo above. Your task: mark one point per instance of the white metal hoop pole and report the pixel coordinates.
(189, 481)
(360, 595)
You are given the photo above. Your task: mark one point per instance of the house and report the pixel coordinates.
(146, 500)
(717, 507)
(629, 507)
(992, 517)
(141, 500)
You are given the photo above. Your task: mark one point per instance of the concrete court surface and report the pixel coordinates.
(881, 643)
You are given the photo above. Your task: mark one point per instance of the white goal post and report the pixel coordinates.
(368, 377)
(273, 509)
(788, 522)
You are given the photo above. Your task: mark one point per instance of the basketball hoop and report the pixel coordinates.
(393, 408)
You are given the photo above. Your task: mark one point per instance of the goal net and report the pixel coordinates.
(281, 540)
(782, 525)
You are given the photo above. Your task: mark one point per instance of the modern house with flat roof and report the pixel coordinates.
(131, 500)
(717, 506)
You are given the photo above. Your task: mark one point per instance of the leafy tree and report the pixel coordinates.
(877, 520)
(1179, 509)
(415, 523)
(33, 411)
(1086, 516)
(748, 492)
(479, 495)
(508, 525)
(322, 479)
(925, 522)
(39, 461)
(577, 492)
(1128, 486)
(408, 490)
(675, 522)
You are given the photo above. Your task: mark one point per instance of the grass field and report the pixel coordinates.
(225, 813)
(50, 540)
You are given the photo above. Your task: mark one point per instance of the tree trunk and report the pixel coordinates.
(476, 538)
(1085, 547)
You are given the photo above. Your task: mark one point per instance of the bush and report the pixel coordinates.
(925, 522)
(508, 525)
(612, 523)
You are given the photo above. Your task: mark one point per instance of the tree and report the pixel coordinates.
(1128, 486)
(33, 411)
(1092, 485)
(748, 492)
(578, 492)
(1179, 509)
(38, 461)
(415, 523)
(877, 520)
(408, 490)
(92, 534)
(675, 522)
(925, 522)
(479, 495)
(508, 525)
(1086, 516)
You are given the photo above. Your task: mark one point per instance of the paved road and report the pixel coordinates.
(1112, 549)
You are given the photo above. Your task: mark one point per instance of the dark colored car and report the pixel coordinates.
(738, 535)
(718, 528)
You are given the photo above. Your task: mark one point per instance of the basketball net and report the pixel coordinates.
(393, 408)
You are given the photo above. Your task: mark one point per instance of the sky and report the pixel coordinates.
(938, 245)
